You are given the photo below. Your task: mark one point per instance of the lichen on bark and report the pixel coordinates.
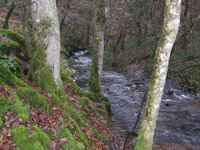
(157, 83)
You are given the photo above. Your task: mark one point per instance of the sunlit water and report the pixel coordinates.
(179, 115)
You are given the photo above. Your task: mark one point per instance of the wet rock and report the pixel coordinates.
(139, 82)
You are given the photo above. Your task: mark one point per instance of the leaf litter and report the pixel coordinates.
(50, 121)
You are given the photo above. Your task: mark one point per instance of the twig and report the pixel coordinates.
(138, 117)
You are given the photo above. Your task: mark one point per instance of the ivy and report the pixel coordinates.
(5, 61)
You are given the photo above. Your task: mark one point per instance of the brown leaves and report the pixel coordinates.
(44, 120)
(57, 143)
(6, 93)
(76, 103)
(47, 121)
(5, 136)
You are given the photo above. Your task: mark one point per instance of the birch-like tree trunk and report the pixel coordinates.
(157, 83)
(42, 35)
(46, 35)
(97, 61)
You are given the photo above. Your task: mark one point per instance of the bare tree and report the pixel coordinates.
(10, 10)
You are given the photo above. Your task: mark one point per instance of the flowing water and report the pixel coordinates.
(179, 114)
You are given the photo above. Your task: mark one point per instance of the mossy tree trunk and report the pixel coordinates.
(46, 37)
(97, 61)
(157, 83)
(41, 31)
(25, 20)
(10, 10)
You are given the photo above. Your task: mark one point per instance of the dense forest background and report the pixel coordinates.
(132, 31)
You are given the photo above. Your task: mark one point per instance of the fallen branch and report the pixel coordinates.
(138, 117)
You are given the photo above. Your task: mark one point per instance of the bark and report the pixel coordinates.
(6, 24)
(46, 33)
(114, 50)
(25, 20)
(97, 61)
(157, 83)
(63, 14)
(87, 42)
(42, 36)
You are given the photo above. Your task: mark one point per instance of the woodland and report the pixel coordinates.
(42, 106)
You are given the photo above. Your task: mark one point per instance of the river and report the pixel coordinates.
(179, 114)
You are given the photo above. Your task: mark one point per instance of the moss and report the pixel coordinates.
(20, 137)
(107, 104)
(103, 112)
(4, 106)
(51, 134)
(32, 97)
(76, 116)
(65, 78)
(82, 136)
(100, 13)
(9, 88)
(8, 47)
(71, 142)
(8, 78)
(17, 38)
(83, 114)
(94, 84)
(88, 94)
(40, 136)
(39, 71)
(98, 135)
(35, 140)
(76, 128)
(19, 108)
(1, 123)
(140, 143)
(104, 98)
(83, 99)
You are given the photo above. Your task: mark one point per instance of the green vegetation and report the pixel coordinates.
(71, 142)
(1, 123)
(88, 94)
(8, 78)
(83, 99)
(19, 108)
(33, 139)
(65, 78)
(94, 86)
(14, 64)
(8, 47)
(4, 106)
(14, 36)
(32, 97)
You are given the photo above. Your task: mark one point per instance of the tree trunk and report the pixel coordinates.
(25, 20)
(6, 24)
(97, 61)
(157, 83)
(45, 54)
